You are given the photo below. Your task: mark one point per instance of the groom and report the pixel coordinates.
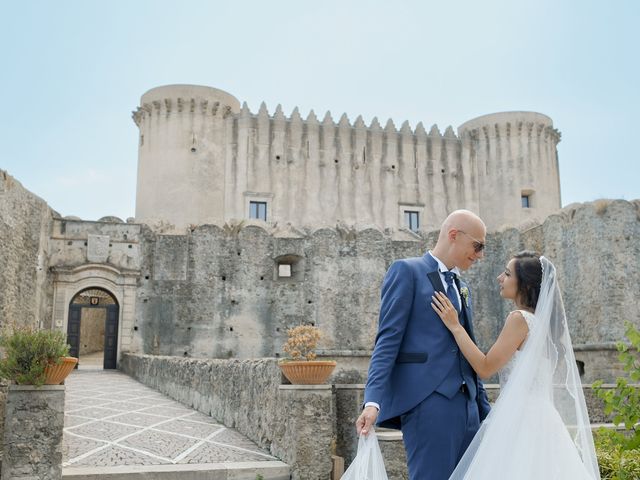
(419, 382)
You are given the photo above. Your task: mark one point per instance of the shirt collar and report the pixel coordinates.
(442, 267)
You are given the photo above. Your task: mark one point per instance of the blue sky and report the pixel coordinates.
(72, 72)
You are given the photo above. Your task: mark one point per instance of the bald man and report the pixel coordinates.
(418, 381)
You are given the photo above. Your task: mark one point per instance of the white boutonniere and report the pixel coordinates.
(464, 293)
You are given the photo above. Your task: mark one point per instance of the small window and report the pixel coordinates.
(289, 268)
(526, 201)
(258, 210)
(412, 220)
(284, 270)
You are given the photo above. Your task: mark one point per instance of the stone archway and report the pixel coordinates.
(92, 328)
(120, 285)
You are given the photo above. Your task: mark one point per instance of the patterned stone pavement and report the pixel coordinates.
(112, 420)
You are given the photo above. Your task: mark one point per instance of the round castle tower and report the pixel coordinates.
(181, 155)
(517, 166)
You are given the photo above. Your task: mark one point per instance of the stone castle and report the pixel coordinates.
(203, 159)
(249, 224)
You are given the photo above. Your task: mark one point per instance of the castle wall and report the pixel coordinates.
(203, 164)
(215, 292)
(595, 249)
(25, 226)
(316, 174)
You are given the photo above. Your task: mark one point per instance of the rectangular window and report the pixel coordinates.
(258, 210)
(412, 220)
(526, 201)
(284, 270)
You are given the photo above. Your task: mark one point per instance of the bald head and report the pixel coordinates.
(464, 220)
(462, 232)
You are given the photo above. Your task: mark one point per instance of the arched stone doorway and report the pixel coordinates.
(119, 284)
(92, 328)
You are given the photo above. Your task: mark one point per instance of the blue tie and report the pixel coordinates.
(449, 276)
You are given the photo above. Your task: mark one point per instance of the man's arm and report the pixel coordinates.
(395, 309)
(484, 407)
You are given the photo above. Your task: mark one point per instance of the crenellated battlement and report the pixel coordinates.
(186, 105)
(205, 158)
(311, 122)
(179, 99)
(509, 124)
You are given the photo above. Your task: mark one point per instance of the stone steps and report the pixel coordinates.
(268, 470)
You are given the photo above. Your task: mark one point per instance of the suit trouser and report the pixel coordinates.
(437, 432)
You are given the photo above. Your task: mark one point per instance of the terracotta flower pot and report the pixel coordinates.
(57, 373)
(307, 372)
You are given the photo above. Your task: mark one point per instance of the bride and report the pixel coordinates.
(539, 427)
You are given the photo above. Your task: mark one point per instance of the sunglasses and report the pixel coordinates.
(477, 245)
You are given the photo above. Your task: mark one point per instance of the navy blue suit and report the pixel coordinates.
(418, 376)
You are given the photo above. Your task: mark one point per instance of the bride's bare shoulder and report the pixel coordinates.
(516, 318)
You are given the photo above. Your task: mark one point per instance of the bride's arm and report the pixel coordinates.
(513, 334)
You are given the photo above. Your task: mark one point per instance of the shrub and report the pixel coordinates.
(615, 462)
(619, 450)
(27, 352)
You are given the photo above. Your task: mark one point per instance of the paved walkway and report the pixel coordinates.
(113, 421)
(91, 361)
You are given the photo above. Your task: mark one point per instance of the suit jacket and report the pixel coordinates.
(414, 350)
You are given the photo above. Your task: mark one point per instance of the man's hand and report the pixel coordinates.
(366, 420)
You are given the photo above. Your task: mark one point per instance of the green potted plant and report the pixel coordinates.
(35, 357)
(302, 368)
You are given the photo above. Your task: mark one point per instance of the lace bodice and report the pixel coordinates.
(505, 371)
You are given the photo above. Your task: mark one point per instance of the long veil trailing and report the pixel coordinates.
(539, 427)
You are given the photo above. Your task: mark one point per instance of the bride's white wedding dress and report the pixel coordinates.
(539, 428)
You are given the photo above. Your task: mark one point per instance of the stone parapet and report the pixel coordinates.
(308, 429)
(300, 424)
(33, 425)
(295, 423)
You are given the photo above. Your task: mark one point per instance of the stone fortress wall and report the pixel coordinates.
(203, 158)
(215, 291)
(25, 229)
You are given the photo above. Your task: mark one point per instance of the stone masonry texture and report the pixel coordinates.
(34, 424)
(25, 226)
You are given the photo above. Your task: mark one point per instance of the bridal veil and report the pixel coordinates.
(539, 426)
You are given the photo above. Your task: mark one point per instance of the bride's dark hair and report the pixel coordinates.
(529, 276)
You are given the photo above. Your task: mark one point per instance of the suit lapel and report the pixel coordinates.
(436, 281)
(468, 325)
(438, 286)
